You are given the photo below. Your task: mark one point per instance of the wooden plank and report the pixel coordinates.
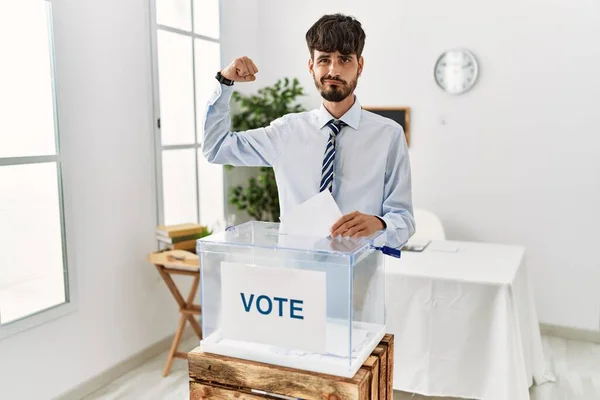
(372, 365)
(363, 387)
(181, 272)
(191, 311)
(381, 353)
(174, 345)
(171, 285)
(389, 341)
(201, 391)
(238, 373)
(181, 259)
(196, 307)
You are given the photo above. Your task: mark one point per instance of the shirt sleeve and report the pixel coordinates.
(397, 208)
(254, 147)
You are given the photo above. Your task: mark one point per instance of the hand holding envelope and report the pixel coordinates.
(320, 216)
(314, 217)
(357, 224)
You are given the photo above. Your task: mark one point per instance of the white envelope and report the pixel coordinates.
(314, 217)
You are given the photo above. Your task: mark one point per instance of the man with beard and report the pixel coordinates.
(360, 157)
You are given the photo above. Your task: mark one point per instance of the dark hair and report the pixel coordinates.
(336, 32)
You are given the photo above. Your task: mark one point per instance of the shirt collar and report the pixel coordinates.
(351, 117)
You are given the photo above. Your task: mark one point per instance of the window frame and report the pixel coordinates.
(69, 305)
(159, 148)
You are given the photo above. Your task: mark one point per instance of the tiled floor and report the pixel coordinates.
(575, 364)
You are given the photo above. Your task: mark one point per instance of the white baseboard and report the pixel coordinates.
(125, 366)
(564, 332)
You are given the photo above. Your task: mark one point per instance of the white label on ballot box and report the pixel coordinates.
(274, 306)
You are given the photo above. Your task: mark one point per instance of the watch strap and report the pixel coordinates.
(223, 80)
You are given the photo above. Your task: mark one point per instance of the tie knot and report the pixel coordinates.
(336, 126)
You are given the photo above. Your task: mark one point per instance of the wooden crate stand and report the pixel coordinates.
(214, 376)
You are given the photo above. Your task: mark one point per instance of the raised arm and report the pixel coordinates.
(254, 147)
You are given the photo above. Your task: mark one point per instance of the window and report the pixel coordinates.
(33, 267)
(186, 58)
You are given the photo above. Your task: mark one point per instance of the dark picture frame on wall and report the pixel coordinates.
(399, 114)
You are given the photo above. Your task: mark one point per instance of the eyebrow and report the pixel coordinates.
(323, 56)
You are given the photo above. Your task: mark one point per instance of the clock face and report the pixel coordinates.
(456, 71)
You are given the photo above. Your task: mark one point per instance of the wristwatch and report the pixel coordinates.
(223, 80)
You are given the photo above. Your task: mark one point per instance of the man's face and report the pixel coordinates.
(335, 74)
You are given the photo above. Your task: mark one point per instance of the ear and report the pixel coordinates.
(310, 66)
(361, 63)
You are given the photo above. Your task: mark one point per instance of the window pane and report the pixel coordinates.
(208, 62)
(31, 259)
(179, 186)
(210, 176)
(174, 13)
(25, 80)
(176, 86)
(206, 18)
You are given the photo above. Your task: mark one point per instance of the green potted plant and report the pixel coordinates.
(259, 198)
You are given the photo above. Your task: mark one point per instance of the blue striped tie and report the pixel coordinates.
(327, 170)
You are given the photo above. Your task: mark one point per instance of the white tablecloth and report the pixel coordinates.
(464, 321)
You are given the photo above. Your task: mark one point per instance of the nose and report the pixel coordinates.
(334, 68)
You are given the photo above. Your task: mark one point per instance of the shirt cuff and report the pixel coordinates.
(382, 221)
(220, 90)
(392, 239)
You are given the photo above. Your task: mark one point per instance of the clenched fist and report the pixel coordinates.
(240, 70)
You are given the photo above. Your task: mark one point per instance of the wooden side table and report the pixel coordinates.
(179, 262)
(219, 377)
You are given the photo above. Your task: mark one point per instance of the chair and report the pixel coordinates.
(428, 226)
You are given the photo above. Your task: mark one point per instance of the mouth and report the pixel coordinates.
(332, 82)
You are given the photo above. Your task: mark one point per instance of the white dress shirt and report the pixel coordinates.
(372, 167)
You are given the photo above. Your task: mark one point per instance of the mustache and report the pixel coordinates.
(331, 78)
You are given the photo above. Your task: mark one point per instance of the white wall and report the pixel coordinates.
(104, 84)
(510, 162)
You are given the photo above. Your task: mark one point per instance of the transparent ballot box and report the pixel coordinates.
(309, 303)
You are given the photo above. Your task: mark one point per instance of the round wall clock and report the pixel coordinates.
(456, 71)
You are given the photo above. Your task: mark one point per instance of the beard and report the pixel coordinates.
(338, 92)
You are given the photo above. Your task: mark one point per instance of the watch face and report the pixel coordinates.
(456, 71)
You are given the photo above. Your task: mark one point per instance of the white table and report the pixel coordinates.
(464, 321)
